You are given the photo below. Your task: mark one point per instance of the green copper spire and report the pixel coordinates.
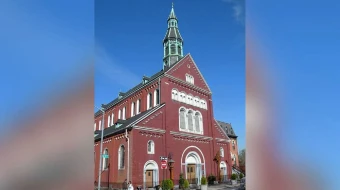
(173, 41)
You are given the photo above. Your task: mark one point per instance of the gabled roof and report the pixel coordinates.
(128, 93)
(136, 88)
(227, 128)
(169, 71)
(125, 124)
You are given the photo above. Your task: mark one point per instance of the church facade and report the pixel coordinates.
(169, 114)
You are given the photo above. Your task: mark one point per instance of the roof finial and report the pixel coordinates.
(172, 4)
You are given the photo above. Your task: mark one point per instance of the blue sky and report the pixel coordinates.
(129, 38)
(42, 48)
(302, 42)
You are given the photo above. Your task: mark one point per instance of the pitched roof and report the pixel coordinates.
(125, 124)
(136, 88)
(129, 92)
(228, 128)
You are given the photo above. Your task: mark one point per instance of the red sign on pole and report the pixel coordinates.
(164, 164)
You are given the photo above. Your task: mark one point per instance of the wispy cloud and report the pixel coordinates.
(238, 7)
(111, 69)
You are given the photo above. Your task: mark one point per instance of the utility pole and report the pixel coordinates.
(101, 147)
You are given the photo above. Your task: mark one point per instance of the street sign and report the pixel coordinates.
(164, 164)
(105, 156)
(163, 158)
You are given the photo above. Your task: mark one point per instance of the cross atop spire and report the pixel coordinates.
(172, 13)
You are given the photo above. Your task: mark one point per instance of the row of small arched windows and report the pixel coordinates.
(188, 99)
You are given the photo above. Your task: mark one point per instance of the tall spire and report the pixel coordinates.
(173, 41)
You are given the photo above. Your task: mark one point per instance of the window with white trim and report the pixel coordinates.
(221, 152)
(156, 97)
(112, 119)
(149, 101)
(106, 160)
(124, 113)
(95, 126)
(132, 109)
(189, 78)
(138, 106)
(120, 114)
(198, 122)
(182, 118)
(108, 121)
(188, 99)
(190, 122)
(121, 157)
(100, 124)
(151, 147)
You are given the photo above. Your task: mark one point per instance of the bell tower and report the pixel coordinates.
(173, 41)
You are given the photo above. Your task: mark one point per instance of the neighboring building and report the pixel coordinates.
(169, 114)
(233, 143)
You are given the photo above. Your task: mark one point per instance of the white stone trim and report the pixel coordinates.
(185, 83)
(149, 129)
(190, 135)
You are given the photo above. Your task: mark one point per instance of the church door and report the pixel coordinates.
(149, 178)
(191, 173)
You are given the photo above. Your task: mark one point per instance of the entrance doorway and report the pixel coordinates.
(193, 168)
(149, 178)
(151, 175)
(223, 171)
(191, 173)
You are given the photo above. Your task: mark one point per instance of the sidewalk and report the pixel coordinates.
(225, 186)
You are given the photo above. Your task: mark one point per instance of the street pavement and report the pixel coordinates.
(226, 187)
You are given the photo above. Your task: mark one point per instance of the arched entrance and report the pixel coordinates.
(151, 174)
(223, 171)
(193, 165)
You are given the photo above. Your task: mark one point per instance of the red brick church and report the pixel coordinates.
(169, 114)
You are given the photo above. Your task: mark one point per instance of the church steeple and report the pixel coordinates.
(173, 41)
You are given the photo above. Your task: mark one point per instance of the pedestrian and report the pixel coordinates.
(130, 187)
(125, 184)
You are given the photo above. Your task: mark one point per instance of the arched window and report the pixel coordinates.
(100, 124)
(112, 119)
(173, 94)
(106, 160)
(173, 49)
(179, 50)
(124, 112)
(197, 122)
(182, 97)
(132, 109)
(95, 126)
(121, 157)
(138, 106)
(187, 99)
(221, 152)
(196, 101)
(156, 97)
(149, 101)
(151, 147)
(190, 121)
(109, 121)
(182, 118)
(119, 114)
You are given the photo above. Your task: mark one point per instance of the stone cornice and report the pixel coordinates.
(198, 137)
(200, 90)
(222, 140)
(149, 129)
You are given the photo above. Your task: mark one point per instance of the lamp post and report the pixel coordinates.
(101, 147)
(171, 167)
